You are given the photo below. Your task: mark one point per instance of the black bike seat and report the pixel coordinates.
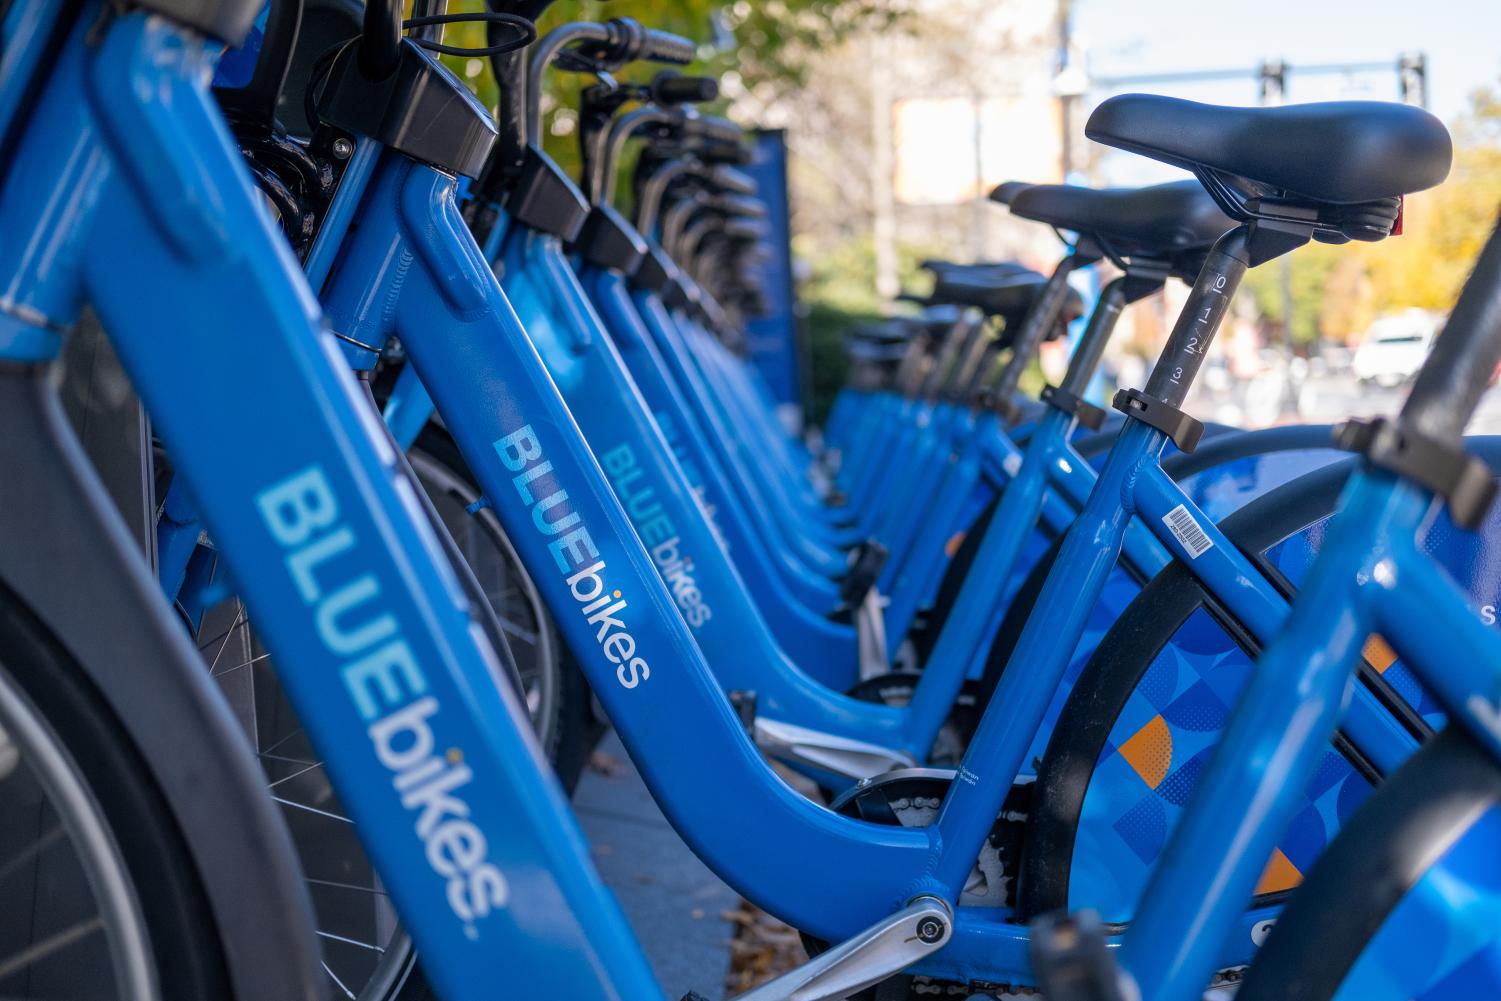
(1009, 301)
(1005, 191)
(976, 272)
(1160, 221)
(993, 297)
(1336, 152)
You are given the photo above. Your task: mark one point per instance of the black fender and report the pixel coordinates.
(69, 557)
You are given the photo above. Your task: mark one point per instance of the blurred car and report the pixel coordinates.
(1394, 348)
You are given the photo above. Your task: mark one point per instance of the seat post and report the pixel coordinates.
(1200, 319)
(1039, 320)
(1102, 320)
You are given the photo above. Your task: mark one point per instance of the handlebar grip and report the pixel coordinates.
(664, 47)
(1465, 356)
(729, 179)
(716, 129)
(669, 88)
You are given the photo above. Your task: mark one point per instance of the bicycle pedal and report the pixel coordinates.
(1073, 962)
(743, 702)
(866, 560)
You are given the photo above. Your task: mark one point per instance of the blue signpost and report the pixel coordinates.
(774, 339)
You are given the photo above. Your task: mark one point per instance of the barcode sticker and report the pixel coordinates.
(1187, 531)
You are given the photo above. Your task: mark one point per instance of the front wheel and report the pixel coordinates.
(101, 900)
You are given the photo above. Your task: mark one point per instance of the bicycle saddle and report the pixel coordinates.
(1008, 298)
(1161, 221)
(977, 272)
(1336, 152)
(1005, 191)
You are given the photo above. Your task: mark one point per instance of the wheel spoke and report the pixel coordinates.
(47, 946)
(311, 809)
(300, 771)
(348, 886)
(335, 978)
(36, 848)
(247, 663)
(349, 941)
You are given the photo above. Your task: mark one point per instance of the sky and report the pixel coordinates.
(1462, 39)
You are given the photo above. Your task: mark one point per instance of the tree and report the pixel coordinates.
(1338, 291)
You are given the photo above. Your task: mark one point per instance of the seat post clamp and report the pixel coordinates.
(1086, 413)
(1466, 483)
(1184, 431)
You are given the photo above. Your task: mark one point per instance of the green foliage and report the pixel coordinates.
(1307, 271)
(746, 45)
(824, 327)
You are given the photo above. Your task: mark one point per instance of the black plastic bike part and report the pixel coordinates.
(544, 199)
(1159, 221)
(743, 701)
(671, 88)
(1086, 413)
(419, 109)
(255, 102)
(723, 177)
(957, 386)
(1041, 318)
(229, 21)
(599, 48)
(912, 370)
(608, 241)
(1002, 193)
(973, 395)
(952, 343)
(651, 182)
(380, 40)
(675, 221)
(866, 561)
(1071, 961)
(79, 572)
(1086, 357)
(1393, 839)
(714, 130)
(1464, 482)
(1200, 318)
(1463, 360)
(298, 179)
(1330, 153)
(1183, 430)
(655, 272)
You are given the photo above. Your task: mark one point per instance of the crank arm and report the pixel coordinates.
(882, 950)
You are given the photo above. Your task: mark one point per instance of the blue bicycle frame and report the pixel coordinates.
(433, 758)
(1370, 577)
(555, 502)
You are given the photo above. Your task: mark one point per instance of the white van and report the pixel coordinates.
(1394, 347)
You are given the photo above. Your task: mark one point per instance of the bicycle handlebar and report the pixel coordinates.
(1465, 355)
(669, 88)
(665, 47)
(727, 178)
(714, 129)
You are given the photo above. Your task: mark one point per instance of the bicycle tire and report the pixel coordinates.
(186, 958)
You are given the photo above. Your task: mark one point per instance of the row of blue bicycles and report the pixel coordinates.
(359, 462)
